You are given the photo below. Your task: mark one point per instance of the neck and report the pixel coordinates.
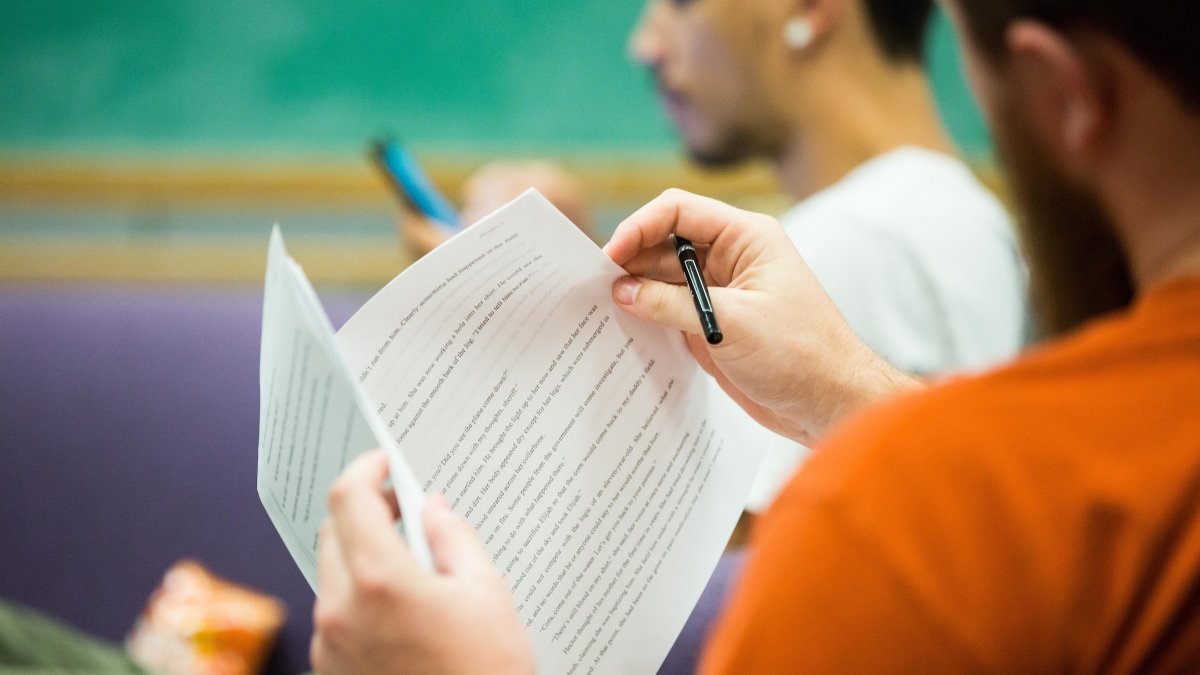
(1187, 264)
(852, 119)
(1153, 198)
(1162, 233)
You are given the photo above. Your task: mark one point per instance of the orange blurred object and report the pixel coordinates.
(199, 624)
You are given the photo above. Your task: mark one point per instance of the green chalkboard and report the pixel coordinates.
(959, 112)
(314, 75)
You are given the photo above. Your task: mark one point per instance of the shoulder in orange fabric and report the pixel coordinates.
(1041, 518)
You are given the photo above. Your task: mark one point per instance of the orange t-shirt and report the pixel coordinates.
(1044, 518)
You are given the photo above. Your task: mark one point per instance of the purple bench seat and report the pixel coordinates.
(128, 436)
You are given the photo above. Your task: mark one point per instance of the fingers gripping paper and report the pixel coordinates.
(587, 449)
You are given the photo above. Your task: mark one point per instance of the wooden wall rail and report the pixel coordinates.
(356, 264)
(34, 180)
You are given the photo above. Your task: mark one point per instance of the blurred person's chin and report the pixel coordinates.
(719, 146)
(1078, 269)
(729, 152)
(717, 136)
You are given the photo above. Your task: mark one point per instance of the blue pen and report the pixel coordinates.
(414, 186)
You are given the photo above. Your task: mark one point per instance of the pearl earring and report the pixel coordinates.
(798, 33)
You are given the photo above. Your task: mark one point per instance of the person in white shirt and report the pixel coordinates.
(917, 254)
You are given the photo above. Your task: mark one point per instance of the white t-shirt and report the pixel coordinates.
(921, 259)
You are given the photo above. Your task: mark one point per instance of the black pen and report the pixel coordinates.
(695, 282)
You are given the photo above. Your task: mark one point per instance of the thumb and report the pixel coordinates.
(452, 541)
(659, 303)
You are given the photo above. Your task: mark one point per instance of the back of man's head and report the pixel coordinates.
(1078, 147)
(1165, 34)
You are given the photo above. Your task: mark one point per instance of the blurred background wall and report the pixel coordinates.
(144, 140)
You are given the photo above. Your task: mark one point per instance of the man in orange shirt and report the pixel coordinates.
(1041, 518)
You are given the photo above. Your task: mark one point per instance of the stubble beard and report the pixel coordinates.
(736, 145)
(1078, 268)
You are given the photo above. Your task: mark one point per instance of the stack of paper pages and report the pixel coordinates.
(602, 469)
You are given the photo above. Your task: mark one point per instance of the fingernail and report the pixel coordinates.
(626, 289)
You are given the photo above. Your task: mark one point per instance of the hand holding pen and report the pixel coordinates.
(786, 355)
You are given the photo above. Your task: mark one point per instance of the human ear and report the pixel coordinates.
(1057, 93)
(808, 21)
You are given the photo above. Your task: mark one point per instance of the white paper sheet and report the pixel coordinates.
(311, 416)
(587, 448)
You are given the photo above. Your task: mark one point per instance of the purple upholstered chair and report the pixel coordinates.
(128, 437)
(128, 440)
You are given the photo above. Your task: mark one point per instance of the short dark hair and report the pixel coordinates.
(1165, 34)
(899, 27)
